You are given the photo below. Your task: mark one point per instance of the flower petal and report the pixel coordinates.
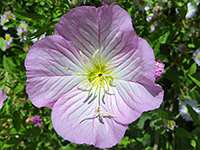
(140, 66)
(49, 67)
(131, 99)
(75, 120)
(3, 97)
(108, 29)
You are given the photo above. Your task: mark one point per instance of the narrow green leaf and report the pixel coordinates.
(29, 15)
(195, 80)
(42, 30)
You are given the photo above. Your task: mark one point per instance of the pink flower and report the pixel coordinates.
(3, 97)
(95, 74)
(159, 69)
(107, 2)
(36, 120)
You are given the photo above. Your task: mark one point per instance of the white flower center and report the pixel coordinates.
(98, 82)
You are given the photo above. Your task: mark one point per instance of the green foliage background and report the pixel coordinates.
(181, 78)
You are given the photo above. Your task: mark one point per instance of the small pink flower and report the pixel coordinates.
(159, 69)
(107, 2)
(36, 120)
(3, 97)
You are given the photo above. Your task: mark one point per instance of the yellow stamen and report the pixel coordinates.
(9, 16)
(4, 21)
(38, 37)
(7, 37)
(98, 110)
(170, 123)
(188, 10)
(22, 34)
(75, 1)
(22, 26)
(66, 68)
(82, 57)
(95, 53)
(199, 56)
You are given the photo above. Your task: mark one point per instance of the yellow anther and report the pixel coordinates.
(38, 37)
(170, 123)
(7, 37)
(4, 21)
(98, 110)
(22, 34)
(9, 16)
(66, 68)
(22, 26)
(107, 113)
(199, 56)
(75, 1)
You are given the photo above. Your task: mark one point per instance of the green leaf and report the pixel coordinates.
(8, 64)
(195, 80)
(2, 44)
(183, 133)
(16, 120)
(125, 141)
(29, 15)
(18, 89)
(164, 37)
(192, 69)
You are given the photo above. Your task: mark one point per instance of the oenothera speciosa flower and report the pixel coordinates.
(3, 97)
(95, 74)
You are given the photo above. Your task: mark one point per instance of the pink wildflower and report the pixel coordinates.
(95, 74)
(3, 97)
(36, 120)
(107, 2)
(159, 69)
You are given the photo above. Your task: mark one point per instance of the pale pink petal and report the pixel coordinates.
(108, 29)
(139, 66)
(50, 64)
(3, 97)
(75, 120)
(131, 99)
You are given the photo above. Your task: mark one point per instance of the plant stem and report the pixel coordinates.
(155, 147)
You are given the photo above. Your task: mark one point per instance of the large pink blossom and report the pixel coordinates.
(3, 97)
(95, 74)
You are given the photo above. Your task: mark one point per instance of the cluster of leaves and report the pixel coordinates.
(181, 78)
